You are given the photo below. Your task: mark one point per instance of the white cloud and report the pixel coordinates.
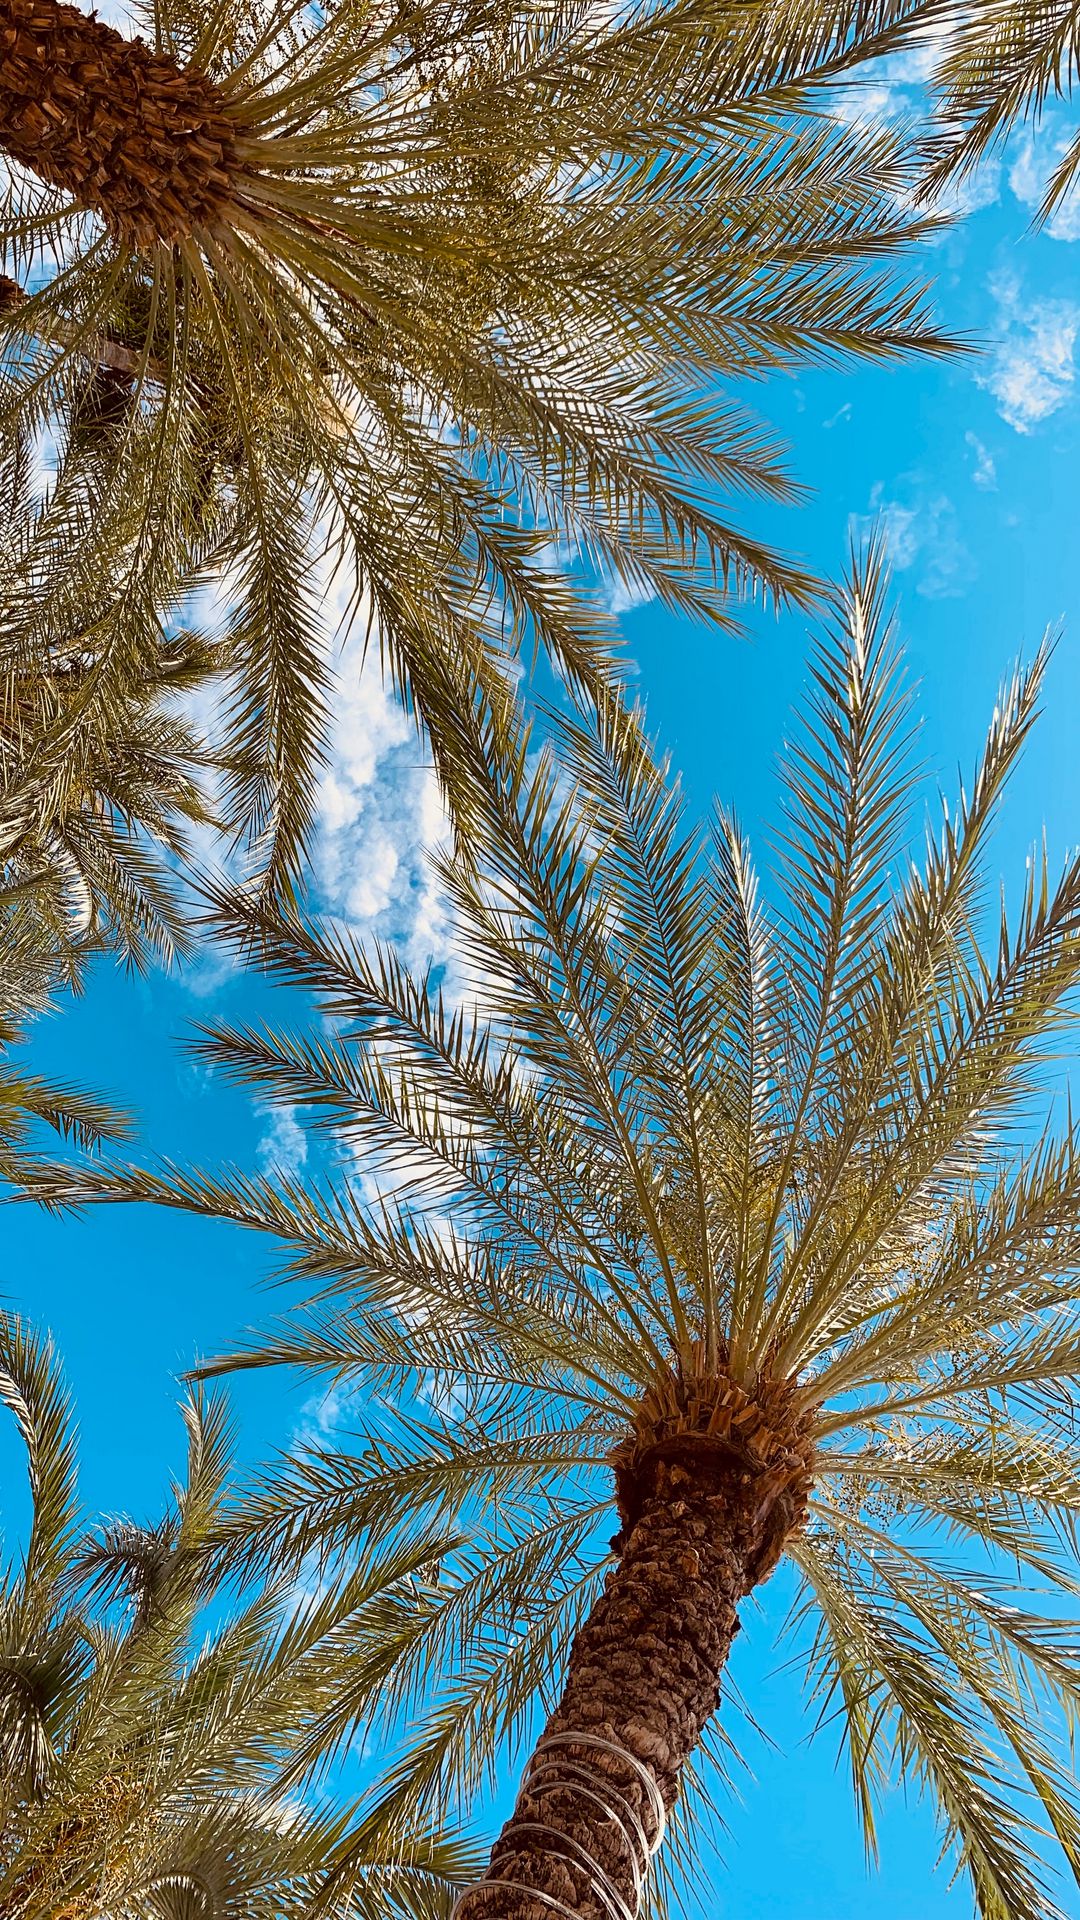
(116, 13)
(326, 1413)
(985, 471)
(623, 596)
(921, 531)
(379, 810)
(1033, 368)
(282, 1147)
(862, 101)
(896, 89)
(379, 816)
(975, 190)
(898, 524)
(1036, 154)
(209, 971)
(378, 806)
(890, 89)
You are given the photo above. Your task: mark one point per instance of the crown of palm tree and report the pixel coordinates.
(460, 289)
(145, 1739)
(729, 1209)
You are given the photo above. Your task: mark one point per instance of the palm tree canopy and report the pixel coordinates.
(464, 292)
(689, 1140)
(146, 1741)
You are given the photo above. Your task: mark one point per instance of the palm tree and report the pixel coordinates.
(1001, 64)
(722, 1206)
(145, 1740)
(461, 290)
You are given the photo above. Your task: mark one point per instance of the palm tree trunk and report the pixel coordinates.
(643, 1680)
(144, 142)
(644, 1677)
(712, 1481)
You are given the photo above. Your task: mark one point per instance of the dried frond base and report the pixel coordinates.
(146, 143)
(702, 1430)
(63, 1858)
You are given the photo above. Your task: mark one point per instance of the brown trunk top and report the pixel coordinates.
(753, 1443)
(146, 143)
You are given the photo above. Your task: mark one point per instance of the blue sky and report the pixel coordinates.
(972, 467)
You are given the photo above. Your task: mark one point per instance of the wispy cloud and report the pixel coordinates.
(1033, 369)
(984, 470)
(1036, 154)
(282, 1146)
(380, 814)
(379, 810)
(895, 89)
(624, 596)
(213, 967)
(378, 806)
(326, 1413)
(921, 530)
(889, 89)
(117, 13)
(971, 192)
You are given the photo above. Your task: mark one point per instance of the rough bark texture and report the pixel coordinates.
(147, 144)
(706, 1505)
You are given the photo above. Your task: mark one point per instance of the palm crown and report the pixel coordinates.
(456, 290)
(740, 1200)
(147, 1733)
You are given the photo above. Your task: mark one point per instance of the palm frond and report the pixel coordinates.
(153, 1752)
(1002, 66)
